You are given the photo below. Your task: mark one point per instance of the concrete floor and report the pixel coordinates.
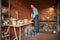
(43, 36)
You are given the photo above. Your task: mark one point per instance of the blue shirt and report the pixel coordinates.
(34, 13)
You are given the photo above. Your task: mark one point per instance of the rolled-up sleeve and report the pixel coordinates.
(31, 14)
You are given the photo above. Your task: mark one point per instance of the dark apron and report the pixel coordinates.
(36, 25)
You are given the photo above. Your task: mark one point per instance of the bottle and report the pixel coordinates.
(29, 32)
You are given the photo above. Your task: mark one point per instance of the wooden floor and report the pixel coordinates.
(43, 36)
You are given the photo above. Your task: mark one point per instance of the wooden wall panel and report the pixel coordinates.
(21, 7)
(24, 10)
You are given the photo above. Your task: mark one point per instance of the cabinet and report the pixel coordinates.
(5, 20)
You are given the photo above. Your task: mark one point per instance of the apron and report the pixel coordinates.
(36, 25)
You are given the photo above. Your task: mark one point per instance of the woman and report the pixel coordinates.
(34, 15)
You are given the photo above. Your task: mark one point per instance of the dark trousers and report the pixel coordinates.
(36, 25)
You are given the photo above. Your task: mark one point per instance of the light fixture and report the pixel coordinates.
(47, 17)
(51, 9)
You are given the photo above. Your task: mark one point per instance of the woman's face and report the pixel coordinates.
(32, 6)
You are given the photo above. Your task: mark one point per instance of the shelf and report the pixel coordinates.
(5, 36)
(4, 13)
(48, 21)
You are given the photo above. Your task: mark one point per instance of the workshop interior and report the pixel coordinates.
(18, 23)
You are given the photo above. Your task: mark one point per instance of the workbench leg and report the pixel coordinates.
(16, 38)
(19, 33)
